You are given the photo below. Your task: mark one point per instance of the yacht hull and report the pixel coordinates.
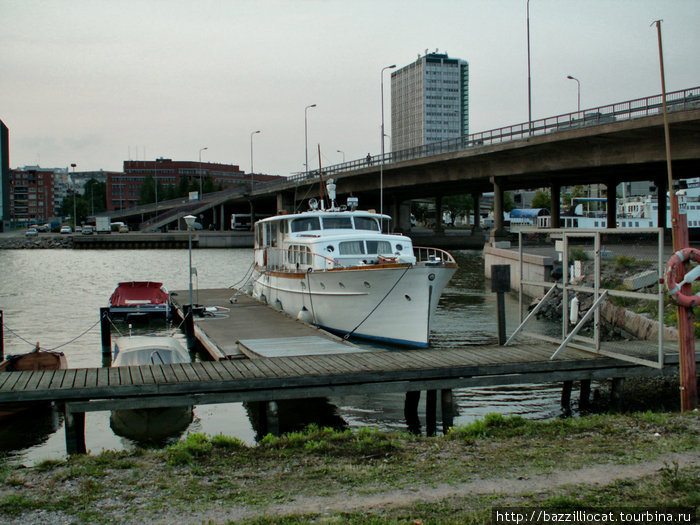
(391, 304)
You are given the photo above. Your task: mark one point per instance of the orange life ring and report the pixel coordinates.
(674, 288)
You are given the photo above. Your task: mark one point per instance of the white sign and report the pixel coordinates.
(194, 195)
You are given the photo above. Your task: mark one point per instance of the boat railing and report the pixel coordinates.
(299, 258)
(432, 255)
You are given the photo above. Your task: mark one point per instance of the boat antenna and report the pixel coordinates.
(320, 176)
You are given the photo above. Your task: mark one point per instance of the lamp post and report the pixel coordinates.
(252, 178)
(189, 220)
(306, 138)
(75, 219)
(343, 153)
(578, 89)
(529, 81)
(200, 172)
(381, 164)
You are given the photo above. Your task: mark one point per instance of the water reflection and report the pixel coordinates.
(29, 428)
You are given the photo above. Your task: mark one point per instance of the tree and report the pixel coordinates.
(577, 191)
(457, 206)
(542, 199)
(147, 192)
(96, 195)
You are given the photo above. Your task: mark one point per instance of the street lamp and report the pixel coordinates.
(200, 172)
(306, 138)
(381, 165)
(579, 90)
(189, 220)
(529, 80)
(343, 153)
(75, 224)
(252, 179)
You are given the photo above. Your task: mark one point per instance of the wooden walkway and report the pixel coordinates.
(289, 372)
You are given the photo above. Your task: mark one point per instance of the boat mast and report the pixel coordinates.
(320, 177)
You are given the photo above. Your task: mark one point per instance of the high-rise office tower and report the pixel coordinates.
(429, 101)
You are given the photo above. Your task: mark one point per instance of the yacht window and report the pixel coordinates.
(271, 234)
(366, 223)
(378, 247)
(351, 248)
(333, 223)
(306, 224)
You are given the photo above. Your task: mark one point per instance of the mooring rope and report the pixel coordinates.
(56, 347)
(347, 336)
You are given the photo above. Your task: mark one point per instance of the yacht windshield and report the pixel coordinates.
(334, 223)
(366, 223)
(306, 224)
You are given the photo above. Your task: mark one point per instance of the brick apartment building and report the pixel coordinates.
(123, 188)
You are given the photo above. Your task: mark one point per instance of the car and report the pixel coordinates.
(123, 228)
(78, 229)
(66, 229)
(31, 232)
(88, 230)
(44, 228)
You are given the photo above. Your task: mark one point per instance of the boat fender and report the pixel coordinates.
(263, 299)
(674, 288)
(573, 314)
(277, 305)
(304, 315)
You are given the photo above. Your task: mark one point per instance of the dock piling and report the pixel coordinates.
(616, 393)
(500, 283)
(566, 396)
(189, 325)
(410, 411)
(447, 410)
(430, 412)
(106, 335)
(75, 431)
(584, 401)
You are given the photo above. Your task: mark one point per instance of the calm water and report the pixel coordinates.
(53, 297)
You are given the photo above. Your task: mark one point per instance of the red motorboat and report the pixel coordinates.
(134, 300)
(36, 360)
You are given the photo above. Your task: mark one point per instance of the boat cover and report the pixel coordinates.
(139, 292)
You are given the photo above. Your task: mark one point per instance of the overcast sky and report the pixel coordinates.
(97, 82)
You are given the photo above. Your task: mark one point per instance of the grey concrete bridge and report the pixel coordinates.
(605, 145)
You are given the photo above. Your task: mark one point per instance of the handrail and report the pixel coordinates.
(427, 254)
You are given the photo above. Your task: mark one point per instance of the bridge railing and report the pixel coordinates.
(640, 107)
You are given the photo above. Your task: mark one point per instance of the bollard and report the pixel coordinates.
(500, 283)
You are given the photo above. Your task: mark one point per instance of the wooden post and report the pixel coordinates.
(410, 411)
(75, 431)
(500, 283)
(106, 335)
(616, 393)
(566, 395)
(2, 337)
(584, 400)
(430, 412)
(272, 416)
(189, 325)
(447, 410)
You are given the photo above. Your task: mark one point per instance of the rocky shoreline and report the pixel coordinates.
(33, 243)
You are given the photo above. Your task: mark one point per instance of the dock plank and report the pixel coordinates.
(35, 379)
(102, 377)
(212, 371)
(147, 375)
(80, 375)
(135, 373)
(158, 374)
(113, 376)
(68, 379)
(46, 378)
(170, 374)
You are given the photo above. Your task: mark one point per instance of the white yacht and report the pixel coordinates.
(336, 269)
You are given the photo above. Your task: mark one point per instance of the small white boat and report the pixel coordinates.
(336, 269)
(150, 425)
(148, 350)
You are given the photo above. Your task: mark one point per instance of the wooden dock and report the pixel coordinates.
(290, 360)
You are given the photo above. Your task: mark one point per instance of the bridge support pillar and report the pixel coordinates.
(284, 203)
(476, 217)
(498, 219)
(556, 206)
(611, 203)
(438, 215)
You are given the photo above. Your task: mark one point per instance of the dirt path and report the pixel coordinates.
(595, 475)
